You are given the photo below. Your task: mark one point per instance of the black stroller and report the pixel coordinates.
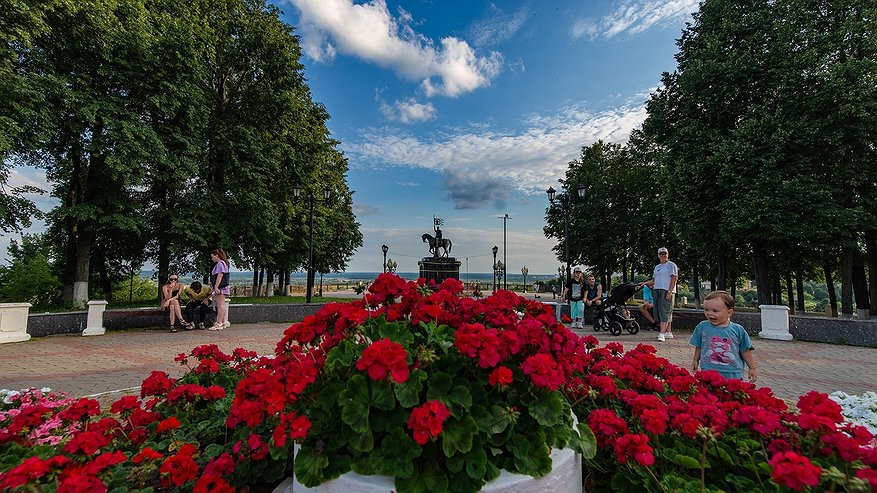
(612, 314)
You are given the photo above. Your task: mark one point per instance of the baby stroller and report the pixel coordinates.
(613, 316)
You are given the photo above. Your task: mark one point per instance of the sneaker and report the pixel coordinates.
(660, 337)
(227, 324)
(201, 326)
(215, 327)
(668, 335)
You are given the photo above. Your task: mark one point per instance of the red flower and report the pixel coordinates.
(794, 471)
(634, 447)
(543, 370)
(81, 409)
(125, 404)
(29, 469)
(220, 466)
(384, 357)
(171, 423)
(606, 425)
(212, 484)
(500, 377)
(82, 483)
(426, 421)
(87, 442)
(145, 455)
(869, 475)
(177, 470)
(157, 383)
(291, 426)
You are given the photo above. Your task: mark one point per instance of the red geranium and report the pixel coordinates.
(543, 370)
(500, 377)
(384, 357)
(794, 471)
(426, 421)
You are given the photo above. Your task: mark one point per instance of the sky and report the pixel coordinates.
(470, 110)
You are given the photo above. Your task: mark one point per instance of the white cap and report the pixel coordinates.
(663, 250)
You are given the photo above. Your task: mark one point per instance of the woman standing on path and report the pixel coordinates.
(219, 284)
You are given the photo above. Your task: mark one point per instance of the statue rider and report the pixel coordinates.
(438, 240)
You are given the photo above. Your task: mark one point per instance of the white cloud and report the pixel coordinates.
(370, 32)
(498, 27)
(529, 160)
(408, 111)
(634, 16)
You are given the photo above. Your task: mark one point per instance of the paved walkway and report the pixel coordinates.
(121, 360)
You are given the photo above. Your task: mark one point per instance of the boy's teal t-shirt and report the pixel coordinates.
(721, 347)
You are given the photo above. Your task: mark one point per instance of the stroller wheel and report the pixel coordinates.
(598, 323)
(615, 328)
(633, 329)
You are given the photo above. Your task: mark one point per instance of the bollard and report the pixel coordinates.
(95, 324)
(13, 322)
(775, 322)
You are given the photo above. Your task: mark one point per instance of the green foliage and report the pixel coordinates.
(31, 281)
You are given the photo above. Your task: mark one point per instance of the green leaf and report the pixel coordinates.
(213, 450)
(457, 435)
(500, 419)
(536, 461)
(439, 386)
(476, 463)
(354, 403)
(547, 410)
(396, 332)
(518, 445)
(584, 442)
(382, 396)
(441, 336)
(362, 442)
(685, 461)
(341, 356)
(328, 397)
(460, 400)
(408, 393)
(482, 418)
(395, 455)
(309, 466)
(431, 480)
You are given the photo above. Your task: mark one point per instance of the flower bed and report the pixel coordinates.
(440, 392)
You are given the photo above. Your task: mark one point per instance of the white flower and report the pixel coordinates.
(858, 409)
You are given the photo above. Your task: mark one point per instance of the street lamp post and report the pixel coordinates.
(565, 207)
(327, 192)
(504, 258)
(494, 250)
(524, 271)
(499, 270)
(385, 249)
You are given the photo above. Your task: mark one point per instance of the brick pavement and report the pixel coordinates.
(120, 360)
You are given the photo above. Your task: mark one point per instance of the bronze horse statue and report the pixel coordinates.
(433, 248)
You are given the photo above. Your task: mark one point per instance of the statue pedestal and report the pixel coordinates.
(439, 268)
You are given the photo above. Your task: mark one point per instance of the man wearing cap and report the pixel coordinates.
(663, 286)
(575, 293)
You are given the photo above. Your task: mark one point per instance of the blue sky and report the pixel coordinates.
(469, 110)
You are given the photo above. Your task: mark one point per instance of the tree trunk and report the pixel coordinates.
(696, 286)
(99, 258)
(790, 294)
(871, 251)
(860, 286)
(799, 284)
(164, 262)
(846, 282)
(261, 280)
(81, 266)
(829, 285)
(722, 265)
(255, 279)
(624, 269)
(762, 278)
(777, 290)
(269, 283)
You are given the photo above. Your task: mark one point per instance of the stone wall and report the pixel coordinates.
(45, 324)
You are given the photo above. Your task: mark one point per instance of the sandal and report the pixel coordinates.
(188, 325)
(173, 329)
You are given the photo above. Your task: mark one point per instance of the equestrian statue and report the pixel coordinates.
(436, 243)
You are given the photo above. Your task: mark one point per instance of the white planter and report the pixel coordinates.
(565, 477)
(13, 322)
(775, 322)
(95, 324)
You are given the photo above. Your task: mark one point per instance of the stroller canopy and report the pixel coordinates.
(623, 292)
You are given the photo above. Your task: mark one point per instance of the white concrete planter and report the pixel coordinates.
(95, 323)
(13, 322)
(565, 477)
(775, 322)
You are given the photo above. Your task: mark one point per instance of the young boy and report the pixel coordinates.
(720, 344)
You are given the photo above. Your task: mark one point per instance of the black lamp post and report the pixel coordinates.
(500, 272)
(385, 249)
(565, 206)
(327, 193)
(494, 250)
(504, 258)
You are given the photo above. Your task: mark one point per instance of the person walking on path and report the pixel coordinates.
(575, 293)
(219, 284)
(663, 285)
(720, 344)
